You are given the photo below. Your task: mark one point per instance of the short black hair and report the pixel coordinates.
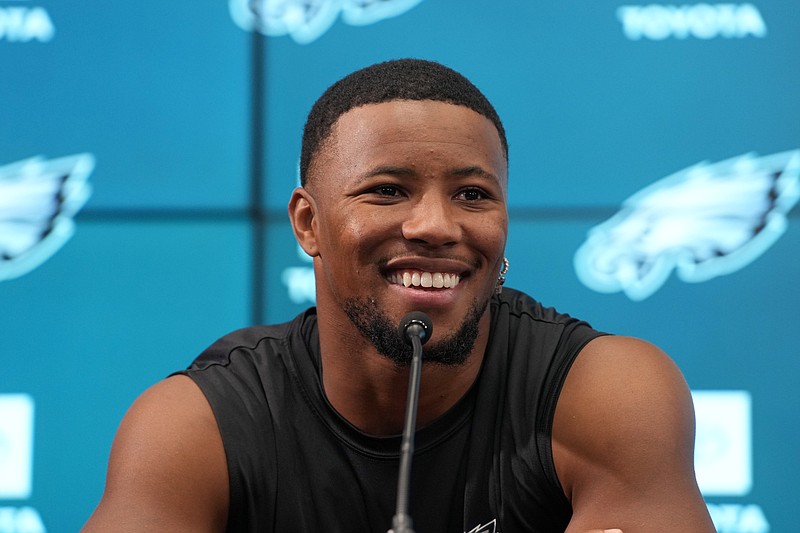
(399, 79)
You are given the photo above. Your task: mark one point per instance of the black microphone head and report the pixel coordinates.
(416, 323)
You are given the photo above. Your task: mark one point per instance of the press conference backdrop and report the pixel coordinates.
(147, 152)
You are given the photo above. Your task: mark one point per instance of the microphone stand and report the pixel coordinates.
(401, 522)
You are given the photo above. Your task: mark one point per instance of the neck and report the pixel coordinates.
(369, 390)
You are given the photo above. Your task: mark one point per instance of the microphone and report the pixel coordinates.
(416, 324)
(415, 328)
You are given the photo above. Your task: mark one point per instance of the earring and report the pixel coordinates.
(498, 288)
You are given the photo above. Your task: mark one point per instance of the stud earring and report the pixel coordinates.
(498, 288)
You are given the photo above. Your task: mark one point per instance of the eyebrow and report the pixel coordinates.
(475, 171)
(390, 170)
(398, 171)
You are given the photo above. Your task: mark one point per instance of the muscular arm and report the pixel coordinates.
(167, 470)
(623, 441)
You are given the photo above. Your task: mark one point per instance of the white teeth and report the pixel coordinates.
(437, 280)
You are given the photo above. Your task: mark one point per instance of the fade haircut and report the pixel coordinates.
(400, 79)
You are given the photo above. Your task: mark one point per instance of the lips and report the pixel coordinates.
(424, 279)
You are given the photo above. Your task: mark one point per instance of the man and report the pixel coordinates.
(528, 420)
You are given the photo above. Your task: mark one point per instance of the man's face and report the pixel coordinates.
(410, 215)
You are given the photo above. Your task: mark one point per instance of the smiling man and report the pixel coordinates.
(529, 420)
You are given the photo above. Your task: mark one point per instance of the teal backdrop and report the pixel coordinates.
(193, 111)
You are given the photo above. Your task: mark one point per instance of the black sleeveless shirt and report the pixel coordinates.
(296, 465)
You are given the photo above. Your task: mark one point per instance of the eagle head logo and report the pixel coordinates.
(704, 221)
(38, 199)
(306, 20)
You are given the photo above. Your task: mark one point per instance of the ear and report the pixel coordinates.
(302, 214)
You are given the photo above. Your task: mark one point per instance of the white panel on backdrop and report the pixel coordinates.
(723, 449)
(16, 446)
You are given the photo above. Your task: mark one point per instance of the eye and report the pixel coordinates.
(472, 194)
(389, 191)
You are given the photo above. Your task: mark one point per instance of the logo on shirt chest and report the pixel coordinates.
(491, 527)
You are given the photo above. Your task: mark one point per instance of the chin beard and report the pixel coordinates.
(382, 332)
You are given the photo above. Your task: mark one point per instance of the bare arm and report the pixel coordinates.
(167, 470)
(623, 441)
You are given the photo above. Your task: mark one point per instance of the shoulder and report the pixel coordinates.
(622, 386)
(513, 309)
(260, 341)
(167, 468)
(623, 437)
(540, 336)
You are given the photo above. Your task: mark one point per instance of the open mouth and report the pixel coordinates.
(423, 279)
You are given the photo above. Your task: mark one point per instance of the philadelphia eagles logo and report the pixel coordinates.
(38, 198)
(491, 527)
(704, 221)
(306, 20)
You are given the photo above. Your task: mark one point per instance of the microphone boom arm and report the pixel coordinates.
(417, 330)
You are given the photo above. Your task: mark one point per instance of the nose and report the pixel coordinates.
(432, 221)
